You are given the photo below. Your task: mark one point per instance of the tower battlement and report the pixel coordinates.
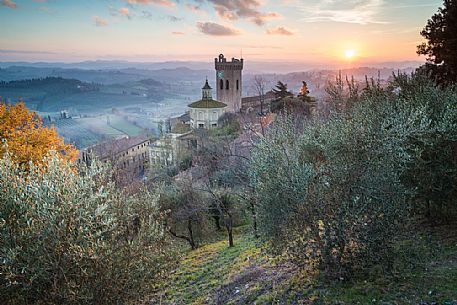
(221, 63)
(229, 81)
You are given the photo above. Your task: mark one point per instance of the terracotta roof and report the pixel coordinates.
(207, 103)
(114, 147)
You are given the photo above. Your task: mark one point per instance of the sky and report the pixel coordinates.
(167, 30)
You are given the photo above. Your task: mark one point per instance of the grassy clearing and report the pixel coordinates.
(245, 274)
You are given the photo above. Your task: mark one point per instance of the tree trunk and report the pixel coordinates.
(189, 239)
(229, 226)
(254, 219)
(217, 219)
(191, 235)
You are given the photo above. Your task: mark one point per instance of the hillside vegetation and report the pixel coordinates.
(246, 274)
(353, 206)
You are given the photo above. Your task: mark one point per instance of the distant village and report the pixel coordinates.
(135, 155)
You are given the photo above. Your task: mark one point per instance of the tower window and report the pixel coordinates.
(221, 84)
(227, 85)
(237, 84)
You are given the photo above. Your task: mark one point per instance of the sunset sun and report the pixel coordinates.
(349, 53)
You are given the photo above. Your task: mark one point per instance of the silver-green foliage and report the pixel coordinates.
(73, 238)
(333, 192)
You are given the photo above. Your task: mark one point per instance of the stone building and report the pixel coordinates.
(129, 154)
(168, 150)
(206, 112)
(229, 82)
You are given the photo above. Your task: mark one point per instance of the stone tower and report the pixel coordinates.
(229, 82)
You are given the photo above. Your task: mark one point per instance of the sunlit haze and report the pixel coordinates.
(349, 53)
(329, 31)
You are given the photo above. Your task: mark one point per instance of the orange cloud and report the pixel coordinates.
(280, 31)
(234, 9)
(9, 3)
(124, 11)
(215, 29)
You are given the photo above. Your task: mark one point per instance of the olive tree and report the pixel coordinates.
(330, 191)
(68, 236)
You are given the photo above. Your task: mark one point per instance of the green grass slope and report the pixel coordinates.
(245, 274)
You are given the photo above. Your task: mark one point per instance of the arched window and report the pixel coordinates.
(237, 84)
(227, 85)
(221, 84)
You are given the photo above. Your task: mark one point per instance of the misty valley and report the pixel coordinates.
(89, 106)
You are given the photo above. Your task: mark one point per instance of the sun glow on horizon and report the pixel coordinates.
(349, 53)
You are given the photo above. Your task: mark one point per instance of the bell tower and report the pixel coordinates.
(229, 82)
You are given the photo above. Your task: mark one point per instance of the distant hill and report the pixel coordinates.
(51, 85)
(113, 65)
(251, 66)
(53, 94)
(105, 76)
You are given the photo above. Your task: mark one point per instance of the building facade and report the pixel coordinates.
(129, 154)
(229, 82)
(206, 112)
(168, 150)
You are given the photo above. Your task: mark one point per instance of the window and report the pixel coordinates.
(227, 85)
(201, 125)
(237, 84)
(221, 84)
(214, 125)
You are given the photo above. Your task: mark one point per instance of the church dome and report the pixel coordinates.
(207, 103)
(207, 99)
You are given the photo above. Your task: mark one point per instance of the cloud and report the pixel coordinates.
(280, 31)
(348, 11)
(125, 12)
(178, 33)
(9, 3)
(166, 3)
(193, 8)
(173, 18)
(263, 18)
(249, 9)
(215, 29)
(99, 21)
(146, 14)
(196, 9)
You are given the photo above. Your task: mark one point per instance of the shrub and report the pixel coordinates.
(73, 238)
(335, 193)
